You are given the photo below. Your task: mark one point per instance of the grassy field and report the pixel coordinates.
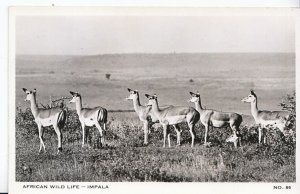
(222, 79)
(124, 158)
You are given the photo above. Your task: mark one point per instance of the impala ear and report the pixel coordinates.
(72, 93)
(25, 90)
(147, 96)
(129, 90)
(192, 94)
(155, 97)
(34, 91)
(198, 93)
(136, 91)
(252, 92)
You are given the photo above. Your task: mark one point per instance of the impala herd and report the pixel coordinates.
(153, 113)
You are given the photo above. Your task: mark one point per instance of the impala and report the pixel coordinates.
(173, 115)
(89, 116)
(46, 117)
(266, 119)
(217, 119)
(146, 115)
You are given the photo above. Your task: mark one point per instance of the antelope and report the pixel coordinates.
(213, 118)
(89, 116)
(46, 117)
(264, 118)
(146, 115)
(173, 115)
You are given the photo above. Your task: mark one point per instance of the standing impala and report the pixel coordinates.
(89, 116)
(173, 115)
(217, 119)
(266, 119)
(46, 117)
(146, 115)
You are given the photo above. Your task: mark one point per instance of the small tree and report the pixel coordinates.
(107, 76)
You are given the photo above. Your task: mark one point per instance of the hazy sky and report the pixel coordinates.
(87, 35)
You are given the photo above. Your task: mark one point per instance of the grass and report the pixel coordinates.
(124, 158)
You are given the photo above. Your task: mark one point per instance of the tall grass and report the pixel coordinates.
(124, 158)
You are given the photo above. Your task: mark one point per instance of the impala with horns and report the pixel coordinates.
(146, 115)
(90, 117)
(213, 118)
(46, 117)
(266, 119)
(173, 115)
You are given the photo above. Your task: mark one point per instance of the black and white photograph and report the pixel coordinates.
(163, 95)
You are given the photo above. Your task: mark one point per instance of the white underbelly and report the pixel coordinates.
(271, 123)
(88, 121)
(175, 119)
(46, 122)
(217, 123)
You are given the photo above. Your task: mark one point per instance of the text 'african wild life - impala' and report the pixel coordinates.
(266, 119)
(146, 115)
(173, 115)
(46, 117)
(212, 118)
(90, 116)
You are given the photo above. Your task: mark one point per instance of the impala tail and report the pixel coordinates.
(102, 115)
(62, 117)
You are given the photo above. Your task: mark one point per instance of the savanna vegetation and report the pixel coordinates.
(124, 158)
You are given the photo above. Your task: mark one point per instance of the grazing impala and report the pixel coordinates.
(146, 115)
(173, 115)
(89, 116)
(46, 117)
(266, 119)
(217, 119)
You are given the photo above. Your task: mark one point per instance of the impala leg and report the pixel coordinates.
(165, 134)
(146, 132)
(168, 135)
(59, 138)
(236, 133)
(178, 134)
(101, 134)
(264, 135)
(41, 133)
(83, 133)
(206, 132)
(192, 131)
(104, 128)
(259, 134)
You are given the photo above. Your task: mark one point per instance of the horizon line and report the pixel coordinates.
(149, 53)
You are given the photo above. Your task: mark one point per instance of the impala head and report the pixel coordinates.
(195, 97)
(232, 138)
(151, 99)
(133, 94)
(250, 98)
(30, 94)
(76, 97)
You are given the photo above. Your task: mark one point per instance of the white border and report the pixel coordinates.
(174, 188)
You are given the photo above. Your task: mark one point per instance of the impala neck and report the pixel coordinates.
(136, 104)
(254, 109)
(79, 106)
(199, 106)
(34, 107)
(155, 108)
